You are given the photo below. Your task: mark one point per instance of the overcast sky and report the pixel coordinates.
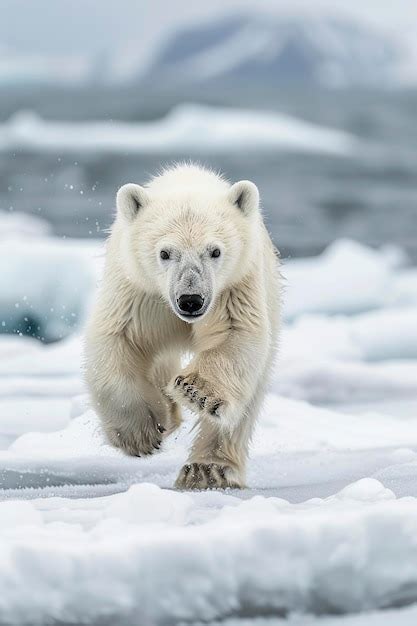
(95, 25)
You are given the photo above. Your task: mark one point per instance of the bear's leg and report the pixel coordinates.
(164, 368)
(219, 391)
(218, 456)
(220, 383)
(135, 414)
(135, 422)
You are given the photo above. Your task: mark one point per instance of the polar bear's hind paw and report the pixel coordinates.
(140, 441)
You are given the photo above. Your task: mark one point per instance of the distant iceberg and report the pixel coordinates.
(189, 128)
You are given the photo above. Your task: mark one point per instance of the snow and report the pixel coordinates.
(328, 523)
(121, 554)
(16, 224)
(346, 278)
(190, 128)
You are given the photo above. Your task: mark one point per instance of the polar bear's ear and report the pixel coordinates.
(245, 196)
(130, 199)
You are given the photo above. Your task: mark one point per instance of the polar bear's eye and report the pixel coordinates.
(164, 255)
(215, 253)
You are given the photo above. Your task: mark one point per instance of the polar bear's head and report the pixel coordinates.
(188, 235)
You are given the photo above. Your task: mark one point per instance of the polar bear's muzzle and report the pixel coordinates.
(191, 289)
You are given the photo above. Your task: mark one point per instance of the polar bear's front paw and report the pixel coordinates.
(207, 476)
(140, 441)
(199, 395)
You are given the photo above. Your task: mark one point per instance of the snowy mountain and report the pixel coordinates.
(234, 51)
(260, 49)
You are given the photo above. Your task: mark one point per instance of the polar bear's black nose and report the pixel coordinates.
(190, 303)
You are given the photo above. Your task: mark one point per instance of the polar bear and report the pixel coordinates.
(190, 269)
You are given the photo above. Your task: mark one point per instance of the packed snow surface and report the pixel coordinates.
(328, 523)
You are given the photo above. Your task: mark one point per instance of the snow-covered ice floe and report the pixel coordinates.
(46, 282)
(189, 127)
(155, 556)
(328, 523)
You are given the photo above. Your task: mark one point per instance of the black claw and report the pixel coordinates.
(156, 446)
(214, 408)
(211, 479)
(187, 468)
(161, 428)
(179, 380)
(202, 401)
